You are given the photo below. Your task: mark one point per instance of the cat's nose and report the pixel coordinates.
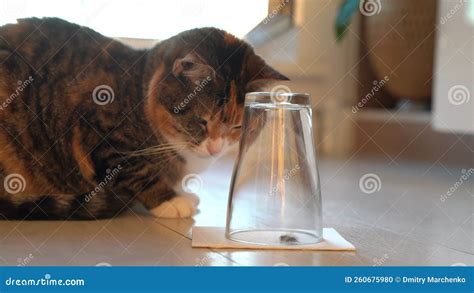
(214, 146)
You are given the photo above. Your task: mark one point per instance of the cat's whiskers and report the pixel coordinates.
(168, 159)
(166, 145)
(160, 149)
(160, 146)
(152, 153)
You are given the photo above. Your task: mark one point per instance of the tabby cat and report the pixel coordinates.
(90, 126)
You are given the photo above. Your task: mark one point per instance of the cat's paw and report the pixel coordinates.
(180, 206)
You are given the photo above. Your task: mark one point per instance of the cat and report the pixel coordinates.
(90, 126)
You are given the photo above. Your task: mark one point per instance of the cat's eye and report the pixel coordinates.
(187, 65)
(236, 127)
(201, 121)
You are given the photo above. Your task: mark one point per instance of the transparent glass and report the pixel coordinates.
(275, 194)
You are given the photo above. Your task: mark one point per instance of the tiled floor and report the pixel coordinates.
(404, 223)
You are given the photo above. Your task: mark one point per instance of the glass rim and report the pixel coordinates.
(233, 236)
(278, 98)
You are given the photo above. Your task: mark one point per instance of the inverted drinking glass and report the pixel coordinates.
(275, 194)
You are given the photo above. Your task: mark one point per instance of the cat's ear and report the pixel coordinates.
(261, 74)
(193, 67)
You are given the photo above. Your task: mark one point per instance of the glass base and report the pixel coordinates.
(275, 237)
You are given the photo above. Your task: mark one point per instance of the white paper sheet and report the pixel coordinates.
(214, 237)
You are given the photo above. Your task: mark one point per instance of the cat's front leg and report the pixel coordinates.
(180, 206)
(164, 202)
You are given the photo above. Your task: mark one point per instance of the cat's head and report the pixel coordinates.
(197, 86)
